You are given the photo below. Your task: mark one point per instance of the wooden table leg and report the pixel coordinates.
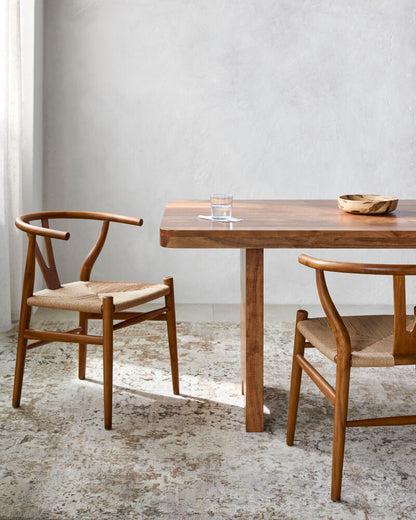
(252, 336)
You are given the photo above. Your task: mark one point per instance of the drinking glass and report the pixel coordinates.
(221, 206)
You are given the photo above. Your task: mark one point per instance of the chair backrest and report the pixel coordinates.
(404, 341)
(48, 266)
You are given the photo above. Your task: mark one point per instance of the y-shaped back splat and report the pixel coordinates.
(50, 274)
(404, 341)
(48, 268)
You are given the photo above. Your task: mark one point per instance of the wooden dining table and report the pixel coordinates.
(300, 224)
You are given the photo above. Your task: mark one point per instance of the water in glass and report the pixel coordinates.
(221, 206)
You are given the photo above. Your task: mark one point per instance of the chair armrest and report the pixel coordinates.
(356, 268)
(111, 217)
(24, 224)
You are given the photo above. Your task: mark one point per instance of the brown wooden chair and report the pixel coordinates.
(92, 299)
(353, 341)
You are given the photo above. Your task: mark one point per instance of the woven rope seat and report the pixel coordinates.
(88, 296)
(371, 338)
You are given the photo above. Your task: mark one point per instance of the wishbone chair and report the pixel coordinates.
(107, 301)
(351, 341)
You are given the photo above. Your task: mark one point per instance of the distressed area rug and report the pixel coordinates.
(189, 457)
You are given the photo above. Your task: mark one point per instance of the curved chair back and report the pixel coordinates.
(48, 266)
(404, 341)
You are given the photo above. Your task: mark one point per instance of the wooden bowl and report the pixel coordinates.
(367, 204)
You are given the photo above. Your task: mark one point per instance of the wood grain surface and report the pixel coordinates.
(287, 224)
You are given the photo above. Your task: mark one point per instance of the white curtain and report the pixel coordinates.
(11, 240)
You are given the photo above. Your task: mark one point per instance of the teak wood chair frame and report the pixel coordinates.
(403, 349)
(107, 315)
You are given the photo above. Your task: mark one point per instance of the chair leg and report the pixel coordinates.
(295, 382)
(171, 324)
(25, 314)
(82, 350)
(108, 360)
(340, 424)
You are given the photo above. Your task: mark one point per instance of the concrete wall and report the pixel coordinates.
(151, 100)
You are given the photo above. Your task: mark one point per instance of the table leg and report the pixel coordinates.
(252, 336)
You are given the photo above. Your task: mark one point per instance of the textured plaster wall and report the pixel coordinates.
(151, 100)
(32, 31)
(31, 15)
